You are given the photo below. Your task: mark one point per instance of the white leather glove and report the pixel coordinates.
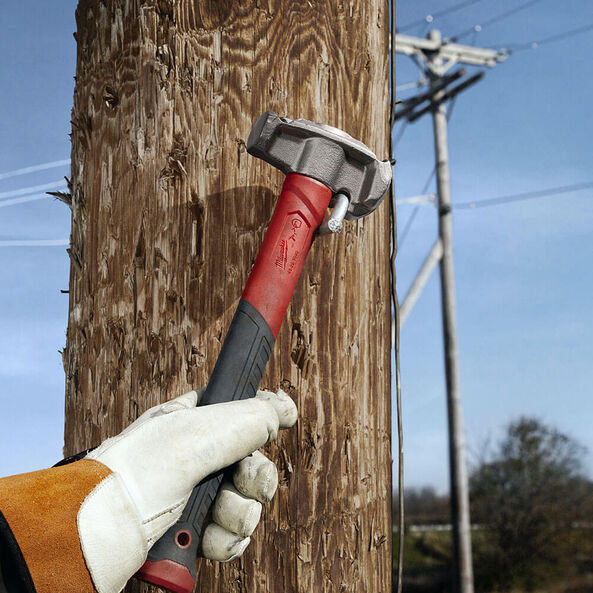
(157, 461)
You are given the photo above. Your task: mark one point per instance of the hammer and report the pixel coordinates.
(323, 165)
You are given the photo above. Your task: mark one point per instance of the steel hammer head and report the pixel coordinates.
(324, 153)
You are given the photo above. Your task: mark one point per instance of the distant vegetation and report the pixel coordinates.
(534, 508)
(424, 506)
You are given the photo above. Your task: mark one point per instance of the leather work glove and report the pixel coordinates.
(87, 526)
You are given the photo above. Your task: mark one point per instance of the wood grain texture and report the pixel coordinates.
(168, 214)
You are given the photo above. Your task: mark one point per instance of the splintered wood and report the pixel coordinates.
(168, 212)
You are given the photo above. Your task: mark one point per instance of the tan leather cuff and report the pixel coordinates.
(41, 509)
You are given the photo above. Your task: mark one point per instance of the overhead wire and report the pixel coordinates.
(495, 19)
(530, 195)
(435, 15)
(396, 324)
(500, 200)
(401, 132)
(23, 200)
(516, 47)
(408, 226)
(32, 189)
(34, 243)
(410, 220)
(412, 217)
(35, 168)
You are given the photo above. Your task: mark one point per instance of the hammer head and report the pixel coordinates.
(324, 153)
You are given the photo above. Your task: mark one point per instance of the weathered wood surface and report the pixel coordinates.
(168, 214)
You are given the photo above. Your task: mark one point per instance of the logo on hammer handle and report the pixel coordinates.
(291, 242)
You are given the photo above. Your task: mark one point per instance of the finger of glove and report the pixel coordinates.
(283, 404)
(222, 545)
(210, 438)
(235, 512)
(183, 402)
(163, 459)
(220, 435)
(256, 477)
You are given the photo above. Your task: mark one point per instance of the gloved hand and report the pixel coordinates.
(158, 460)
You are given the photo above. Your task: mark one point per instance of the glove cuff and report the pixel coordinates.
(40, 510)
(112, 536)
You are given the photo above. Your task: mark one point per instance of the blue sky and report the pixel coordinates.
(36, 74)
(523, 271)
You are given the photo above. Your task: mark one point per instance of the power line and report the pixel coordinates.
(35, 243)
(500, 17)
(28, 198)
(32, 189)
(34, 168)
(410, 221)
(408, 226)
(401, 132)
(435, 15)
(515, 47)
(396, 323)
(16, 201)
(531, 195)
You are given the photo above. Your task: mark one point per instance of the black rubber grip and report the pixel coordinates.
(237, 374)
(242, 359)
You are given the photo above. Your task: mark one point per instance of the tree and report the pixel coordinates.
(528, 496)
(168, 212)
(425, 507)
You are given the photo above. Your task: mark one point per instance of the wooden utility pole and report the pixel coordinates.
(435, 57)
(168, 212)
(462, 541)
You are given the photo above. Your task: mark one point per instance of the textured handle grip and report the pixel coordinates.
(172, 560)
(242, 359)
(247, 347)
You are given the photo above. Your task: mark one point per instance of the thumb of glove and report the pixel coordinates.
(219, 435)
(163, 457)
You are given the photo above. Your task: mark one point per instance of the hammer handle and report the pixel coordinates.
(241, 363)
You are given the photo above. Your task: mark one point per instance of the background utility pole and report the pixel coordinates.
(436, 58)
(460, 515)
(168, 212)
